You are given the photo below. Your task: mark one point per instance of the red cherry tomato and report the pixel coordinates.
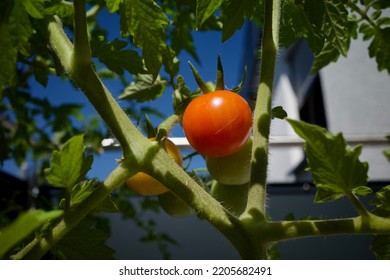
(217, 123)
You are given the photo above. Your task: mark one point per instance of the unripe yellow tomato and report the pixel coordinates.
(144, 184)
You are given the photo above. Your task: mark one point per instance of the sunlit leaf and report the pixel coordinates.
(145, 21)
(204, 9)
(69, 165)
(335, 166)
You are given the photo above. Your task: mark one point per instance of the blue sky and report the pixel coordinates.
(208, 46)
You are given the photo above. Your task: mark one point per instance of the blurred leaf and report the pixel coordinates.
(382, 202)
(380, 48)
(380, 247)
(15, 31)
(59, 8)
(118, 59)
(69, 165)
(145, 21)
(171, 62)
(204, 9)
(144, 89)
(181, 30)
(23, 226)
(335, 166)
(84, 242)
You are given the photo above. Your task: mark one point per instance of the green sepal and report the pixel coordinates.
(241, 84)
(220, 82)
(205, 88)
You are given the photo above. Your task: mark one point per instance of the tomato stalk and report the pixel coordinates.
(262, 113)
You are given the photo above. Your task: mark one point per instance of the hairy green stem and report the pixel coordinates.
(82, 56)
(262, 113)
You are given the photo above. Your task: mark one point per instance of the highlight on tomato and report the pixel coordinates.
(218, 123)
(234, 169)
(144, 184)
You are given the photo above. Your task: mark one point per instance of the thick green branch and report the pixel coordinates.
(284, 230)
(262, 114)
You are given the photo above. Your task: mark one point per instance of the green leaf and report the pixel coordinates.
(145, 21)
(204, 9)
(335, 166)
(235, 12)
(84, 242)
(278, 112)
(113, 5)
(296, 23)
(324, 24)
(118, 59)
(380, 247)
(144, 89)
(81, 191)
(23, 226)
(328, 54)
(69, 165)
(333, 23)
(382, 202)
(380, 49)
(15, 32)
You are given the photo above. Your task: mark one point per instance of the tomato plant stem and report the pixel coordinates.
(82, 51)
(282, 230)
(262, 113)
